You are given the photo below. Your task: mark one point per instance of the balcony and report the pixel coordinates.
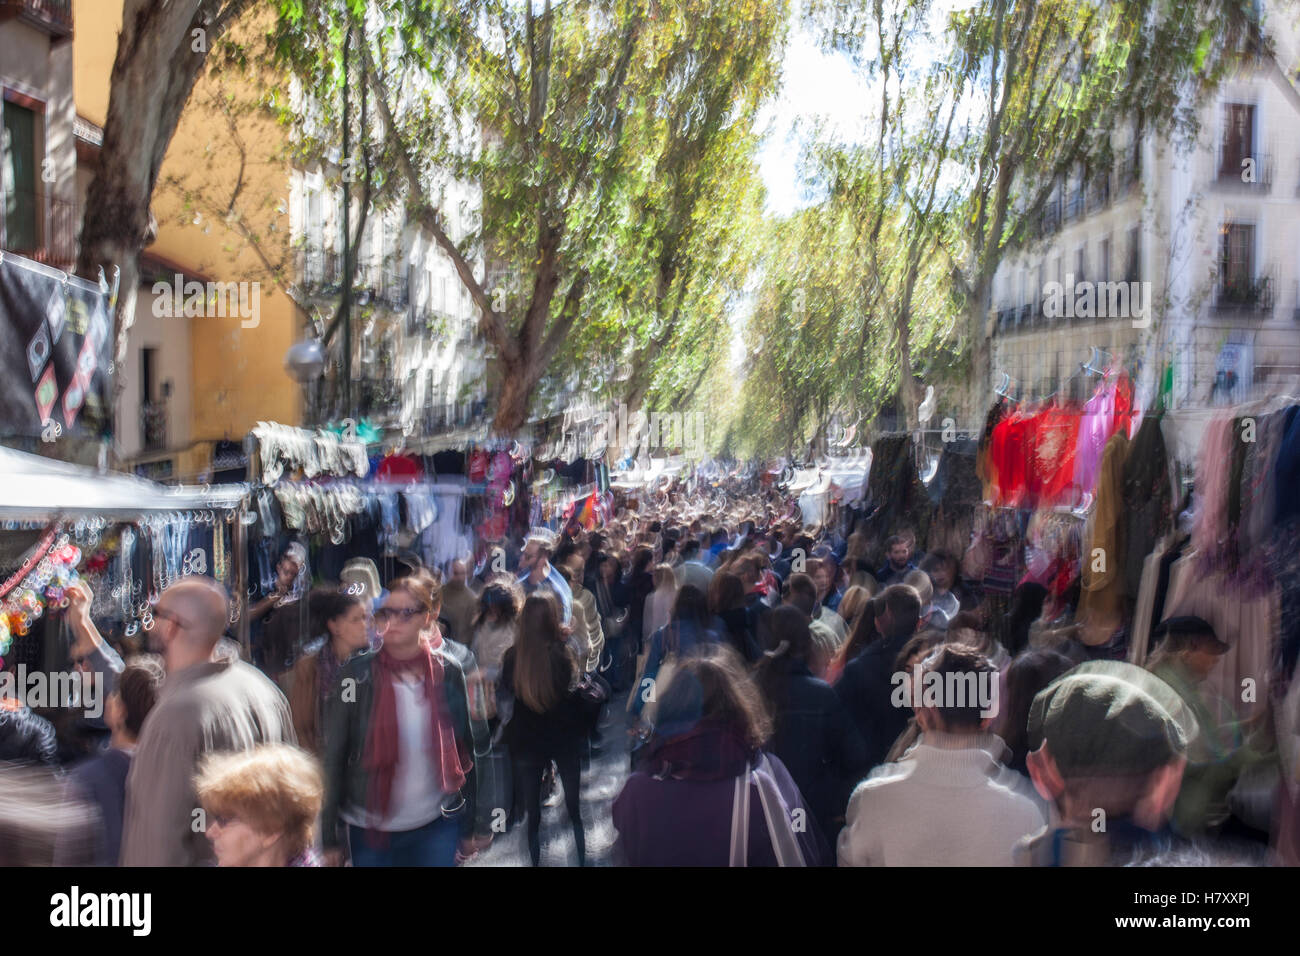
(1244, 297)
(1229, 171)
(153, 426)
(320, 271)
(40, 227)
(1128, 173)
(434, 419)
(1099, 191)
(393, 290)
(53, 17)
(1077, 205)
(1051, 221)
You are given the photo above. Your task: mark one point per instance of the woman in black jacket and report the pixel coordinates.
(727, 600)
(546, 720)
(814, 737)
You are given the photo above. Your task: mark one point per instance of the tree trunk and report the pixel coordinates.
(159, 57)
(981, 373)
(514, 394)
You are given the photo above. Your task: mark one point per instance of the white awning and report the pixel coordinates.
(33, 488)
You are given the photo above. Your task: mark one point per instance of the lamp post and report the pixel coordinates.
(305, 361)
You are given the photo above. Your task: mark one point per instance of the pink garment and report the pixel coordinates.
(1212, 474)
(1094, 430)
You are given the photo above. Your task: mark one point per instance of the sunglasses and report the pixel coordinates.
(165, 615)
(386, 614)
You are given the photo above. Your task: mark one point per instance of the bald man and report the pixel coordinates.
(210, 703)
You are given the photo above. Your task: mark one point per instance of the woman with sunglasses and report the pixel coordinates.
(399, 746)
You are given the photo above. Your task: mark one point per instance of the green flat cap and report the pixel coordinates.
(1109, 718)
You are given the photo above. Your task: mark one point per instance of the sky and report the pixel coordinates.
(815, 85)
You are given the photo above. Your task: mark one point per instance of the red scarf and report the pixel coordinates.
(382, 746)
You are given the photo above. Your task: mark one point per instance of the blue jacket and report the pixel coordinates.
(554, 580)
(690, 637)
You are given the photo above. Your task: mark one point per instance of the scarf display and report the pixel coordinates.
(383, 743)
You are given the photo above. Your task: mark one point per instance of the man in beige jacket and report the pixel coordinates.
(211, 703)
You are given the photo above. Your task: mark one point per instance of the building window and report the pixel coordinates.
(1133, 264)
(18, 172)
(1238, 143)
(1103, 260)
(1237, 260)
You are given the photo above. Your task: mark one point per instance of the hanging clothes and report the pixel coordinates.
(1148, 499)
(1245, 623)
(1102, 586)
(1056, 446)
(985, 466)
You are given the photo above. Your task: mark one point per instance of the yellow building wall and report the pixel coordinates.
(218, 154)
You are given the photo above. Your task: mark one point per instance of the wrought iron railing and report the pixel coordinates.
(40, 227)
(1244, 296)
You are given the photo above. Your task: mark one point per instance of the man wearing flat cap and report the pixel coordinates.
(1108, 746)
(1187, 653)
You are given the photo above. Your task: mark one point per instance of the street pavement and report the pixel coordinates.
(601, 782)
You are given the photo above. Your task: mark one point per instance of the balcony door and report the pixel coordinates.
(1238, 138)
(18, 171)
(1237, 259)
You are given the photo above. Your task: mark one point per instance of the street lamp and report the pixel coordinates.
(305, 361)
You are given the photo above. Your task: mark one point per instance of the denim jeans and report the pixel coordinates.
(433, 844)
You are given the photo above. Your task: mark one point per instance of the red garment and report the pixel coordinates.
(1123, 407)
(1057, 437)
(382, 745)
(478, 466)
(399, 468)
(1009, 453)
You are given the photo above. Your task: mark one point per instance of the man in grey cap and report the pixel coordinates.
(1188, 652)
(1109, 744)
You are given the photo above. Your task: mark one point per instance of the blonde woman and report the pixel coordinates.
(852, 604)
(261, 805)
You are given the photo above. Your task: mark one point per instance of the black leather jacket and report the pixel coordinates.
(347, 727)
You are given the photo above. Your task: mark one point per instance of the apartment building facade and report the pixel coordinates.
(1183, 254)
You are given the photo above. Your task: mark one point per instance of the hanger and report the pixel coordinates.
(1003, 389)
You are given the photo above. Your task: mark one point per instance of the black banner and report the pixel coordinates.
(56, 337)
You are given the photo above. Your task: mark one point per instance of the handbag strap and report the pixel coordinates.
(780, 829)
(740, 821)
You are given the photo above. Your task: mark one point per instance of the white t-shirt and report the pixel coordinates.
(417, 794)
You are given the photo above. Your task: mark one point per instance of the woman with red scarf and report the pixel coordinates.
(398, 742)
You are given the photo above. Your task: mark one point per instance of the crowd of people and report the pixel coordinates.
(768, 682)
